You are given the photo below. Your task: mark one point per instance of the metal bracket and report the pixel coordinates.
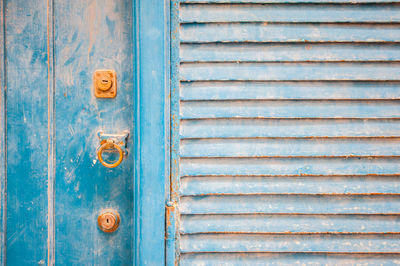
(119, 139)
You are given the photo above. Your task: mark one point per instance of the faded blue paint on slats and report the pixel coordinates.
(257, 223)
(290, 13)
(252, 128)
(198, 185)
(264, 32)
(290, 243)
(290, 166)
(255, 52)
(228, 90)
(290, 71)
(290, 147)
(290, 109)
(27, 143)
(295, 204)
(288, 132)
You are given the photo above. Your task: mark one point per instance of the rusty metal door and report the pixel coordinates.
(78, 88)
(286, 133)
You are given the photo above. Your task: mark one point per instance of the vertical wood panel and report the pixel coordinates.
(92, 35)
(27, 143)
(152, 131)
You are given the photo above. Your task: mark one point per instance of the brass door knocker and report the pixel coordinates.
(112, 143)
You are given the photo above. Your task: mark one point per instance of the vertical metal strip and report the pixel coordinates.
(50, 134)
(170, 209)
(175, 119)
(3, 135)
(167, 113)
(137, 122)
(175, 124)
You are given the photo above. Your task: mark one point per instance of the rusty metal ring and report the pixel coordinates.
(110, 144)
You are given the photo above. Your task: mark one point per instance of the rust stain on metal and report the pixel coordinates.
(169, 214)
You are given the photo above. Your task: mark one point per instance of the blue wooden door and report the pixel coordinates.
(286, 132)
(53, 186)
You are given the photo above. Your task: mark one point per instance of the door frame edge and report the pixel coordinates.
(151, 46)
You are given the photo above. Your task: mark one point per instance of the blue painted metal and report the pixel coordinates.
(288, 130)
(50, 119)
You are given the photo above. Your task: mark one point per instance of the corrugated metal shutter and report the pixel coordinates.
(289, 132)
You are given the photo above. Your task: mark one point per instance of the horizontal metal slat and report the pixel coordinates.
(261, 223)
(290, 71)
(289, 243)
(248, 128)
(228, 90)
(291, 204)
(261, 52)
(290, 166)
(289, 147)
(290, 109)
(264, 32)
(281, 258)
(288, 13)
(200, 185)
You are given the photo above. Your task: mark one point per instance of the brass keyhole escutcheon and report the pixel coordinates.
(105, 83)
(108, 221)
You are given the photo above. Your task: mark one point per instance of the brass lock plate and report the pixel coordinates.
(105, 83)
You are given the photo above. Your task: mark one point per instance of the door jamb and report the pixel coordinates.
(152, 128)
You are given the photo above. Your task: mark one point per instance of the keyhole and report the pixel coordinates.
(104, 84)
(108, 221)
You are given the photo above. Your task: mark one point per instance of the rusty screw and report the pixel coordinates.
(108, 221)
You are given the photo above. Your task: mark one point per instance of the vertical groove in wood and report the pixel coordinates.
(3, 133)
(136, 115)
(50, 134)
